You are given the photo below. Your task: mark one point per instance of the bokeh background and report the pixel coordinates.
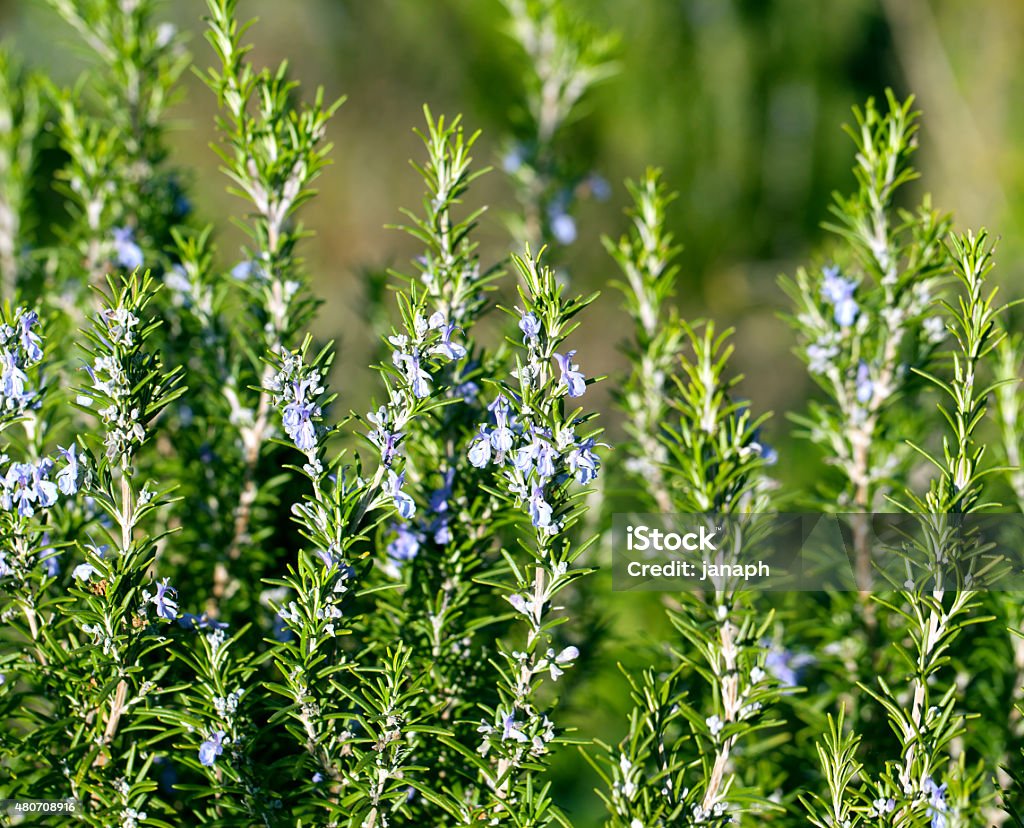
(740, 101)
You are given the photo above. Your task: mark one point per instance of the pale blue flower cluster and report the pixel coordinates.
(21, 348)
(516, 738)
(865, 386)
(937, 806)
(532, 457)
(571, 376)
(212, 748)
(429, 338)
(28, 487)
(838, 292)
(166, 601)
(785, 665)
(820, 355)
(126, 252)
(297, 389)
(414, 354)
(435, 526)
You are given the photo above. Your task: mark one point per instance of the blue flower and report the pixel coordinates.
(49, 558)
(599, 187)
(416, 376)
(188, 621)
(838, 292)
(447, 348)
(937, 806)
(244, 270)
(31, 342)
(540, 509)
(572, 377)
(546, 457)
(297, 416)
(820, 355)
(19, 490)
(212, 748)
(13, 382)
(83, 572)
(405, 505)
(46, 490)
(846, 312)
(166, 605)
(530, 326)
(67, 478)
(467, 390)
(513, 159)
(405, 546)
(525, 456)
(480, 449)
(786, 666)
(583, 462)
(511, 730)
(865, 387)
(501, 436)
(127, 252)
(563, 228)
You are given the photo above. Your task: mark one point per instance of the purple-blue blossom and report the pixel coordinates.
(83, 572)
(583, 462)
(165, 600)
(415, 374)
(513, 159)
(405, 546)
(563, 226)
(188, 621)
(243, 271)
(530, 326)
(20, 348)
(501, 436)
(49, 558)
(298, 415)
(67, 477)
(571, 376)
(937, 806)
(14, 393)
(212, 748)
(820, 355)
(864, 386)
(127, 253)
(445, 347)
(480, 448)
(540, 509)
(538, 455)
(467, 391)
(386, 440)
(838, 292)
(786, 666)
(26, 487)
(31, 342)
(405, 505)
(511, 730)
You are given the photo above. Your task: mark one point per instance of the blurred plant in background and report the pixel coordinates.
(227, 602)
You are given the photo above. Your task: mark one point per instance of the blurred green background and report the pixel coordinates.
(740, 102)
